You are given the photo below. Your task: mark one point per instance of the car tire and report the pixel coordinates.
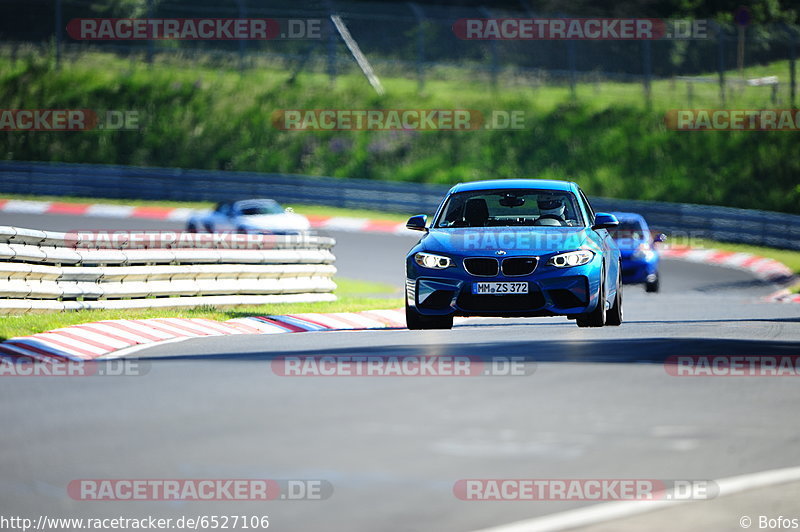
(597, 317)
(614, 315)
(652, 287)
(415, 321)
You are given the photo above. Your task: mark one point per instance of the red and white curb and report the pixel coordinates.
(784, 296)
(172, 214)
(761, 267)
(115, 338)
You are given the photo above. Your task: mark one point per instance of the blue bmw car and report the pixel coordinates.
(638, 251)
(513, 248)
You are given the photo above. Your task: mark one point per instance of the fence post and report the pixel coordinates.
(150, 44)
(242, 42)
(492, 50)
(59, 32)
(331, 48)
(792, 70)
(647, 56)
(420, 16)
(721, 66)
(572, 58)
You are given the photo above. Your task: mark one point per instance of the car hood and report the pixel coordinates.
(512, 240)
(276, 222)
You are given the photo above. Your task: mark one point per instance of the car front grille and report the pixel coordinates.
(481, 266)
(516, 266)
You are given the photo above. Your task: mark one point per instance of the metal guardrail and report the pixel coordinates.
(58, 179)
(42, 270)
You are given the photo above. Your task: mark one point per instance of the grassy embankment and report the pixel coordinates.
(199, 116)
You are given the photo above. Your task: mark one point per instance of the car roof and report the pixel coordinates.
(253, 202)
(629, 216)
(490, 184)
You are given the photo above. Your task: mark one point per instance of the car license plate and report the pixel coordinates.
(499, 288)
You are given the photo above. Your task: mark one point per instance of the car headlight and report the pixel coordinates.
(643, 252)
(572, 258)
(429, 260)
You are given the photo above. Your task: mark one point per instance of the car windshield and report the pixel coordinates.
(511, 207)
(261, 208)
(628, 229)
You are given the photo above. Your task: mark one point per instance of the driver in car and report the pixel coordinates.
(551, 211)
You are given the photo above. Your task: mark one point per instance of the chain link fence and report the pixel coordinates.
(418, 41)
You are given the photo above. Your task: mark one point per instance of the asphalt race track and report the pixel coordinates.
(598, 404)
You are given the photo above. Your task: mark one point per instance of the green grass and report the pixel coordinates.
(606, 138)
(352, 295)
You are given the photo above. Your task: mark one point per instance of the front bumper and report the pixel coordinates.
(551, 292)
(637, 271)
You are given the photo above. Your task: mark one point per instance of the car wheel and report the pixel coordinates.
(652, 286)
(416, 321)
(597, 317)
(614, 315)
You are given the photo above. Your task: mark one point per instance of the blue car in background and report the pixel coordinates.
(514, 248)
(637, 247)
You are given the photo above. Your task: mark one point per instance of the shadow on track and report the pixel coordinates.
(618, 351)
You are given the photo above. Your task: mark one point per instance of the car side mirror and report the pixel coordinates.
(603, 220)
(417, 223)
(660, 237)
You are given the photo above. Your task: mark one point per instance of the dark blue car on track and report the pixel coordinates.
(637, 247)
(512, 248)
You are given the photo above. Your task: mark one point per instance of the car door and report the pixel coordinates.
(609, 250)
(219, 219)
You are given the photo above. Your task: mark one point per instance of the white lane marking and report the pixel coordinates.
(599, 513)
